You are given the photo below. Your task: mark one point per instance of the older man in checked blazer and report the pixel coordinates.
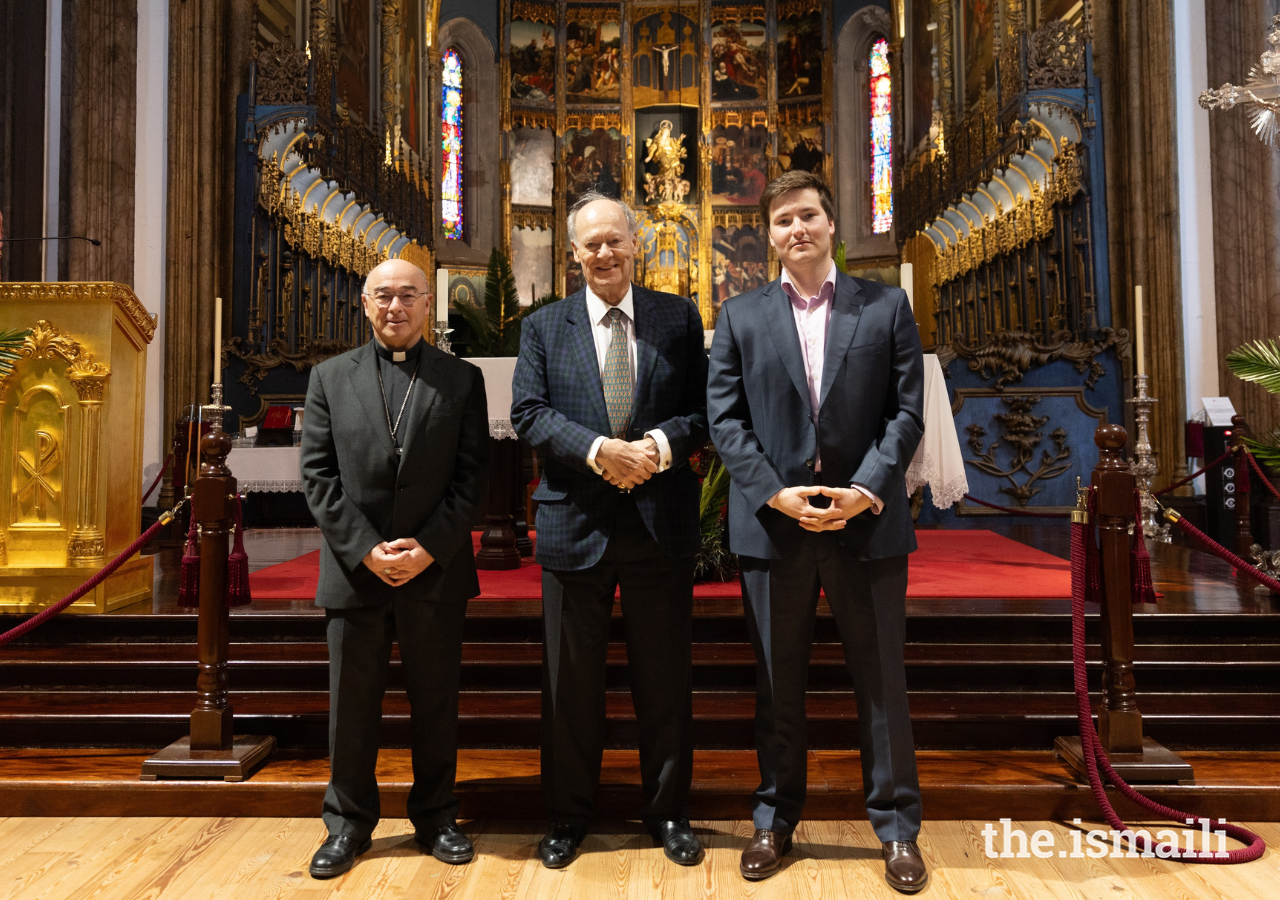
(610, 389)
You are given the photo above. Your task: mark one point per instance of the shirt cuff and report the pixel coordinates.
(664, 448)
(591, 455)
(876, 504)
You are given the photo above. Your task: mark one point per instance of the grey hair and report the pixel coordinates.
(633, 224)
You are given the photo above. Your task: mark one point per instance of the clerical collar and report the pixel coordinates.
(398, 355)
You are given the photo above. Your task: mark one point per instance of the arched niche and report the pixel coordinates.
(482, 211)
(852, 157)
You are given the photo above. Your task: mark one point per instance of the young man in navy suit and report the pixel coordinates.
(815, 402)
(610, 389)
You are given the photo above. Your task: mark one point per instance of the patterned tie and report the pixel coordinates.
(617, 376)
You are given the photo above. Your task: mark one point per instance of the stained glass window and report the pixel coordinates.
(451, 142)
(881, 139)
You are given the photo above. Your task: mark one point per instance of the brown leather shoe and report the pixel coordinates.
(763, 856)
(904, 867)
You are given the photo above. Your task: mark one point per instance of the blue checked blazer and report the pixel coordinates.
(558, 406)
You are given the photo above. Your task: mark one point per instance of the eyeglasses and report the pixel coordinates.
(407, 298)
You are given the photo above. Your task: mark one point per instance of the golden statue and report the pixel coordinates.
(667, 151)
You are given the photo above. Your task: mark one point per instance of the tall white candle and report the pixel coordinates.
(217, 340)
(442, 297)
(1137, 329)
(907, 276)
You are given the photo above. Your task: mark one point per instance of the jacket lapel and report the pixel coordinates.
(364, 381)
(780, 322)
(646, 343)
(424, 396)
(582, 348)
(846, 312)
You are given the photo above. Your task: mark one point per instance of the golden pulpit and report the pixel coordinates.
(71, 433)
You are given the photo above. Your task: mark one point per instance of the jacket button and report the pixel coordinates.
(808, 463)
(403, 485)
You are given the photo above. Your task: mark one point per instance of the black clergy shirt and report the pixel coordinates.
(397, 374)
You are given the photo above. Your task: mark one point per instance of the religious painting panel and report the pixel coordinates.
(977, 41)
(800, 146)
(739, 164)
(593, 162)
(354, 57)
(532, 166)
(466, 287)
(573, 280)
(592, 48)
(533, 57)
(410, 77)
(921, 70)
(739, 260)
(664, 62)
(667, 154)
(739, 60)
(532, 252)
(800, 57)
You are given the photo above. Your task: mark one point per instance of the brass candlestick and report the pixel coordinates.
(1143, 464)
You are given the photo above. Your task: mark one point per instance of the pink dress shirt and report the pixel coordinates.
(812, 316)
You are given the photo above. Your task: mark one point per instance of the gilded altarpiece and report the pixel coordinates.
(1000, 211)
(712, 99)
(71, 431)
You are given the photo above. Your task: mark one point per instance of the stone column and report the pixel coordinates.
(1133, 59)
(99, 83)
(210, 45)
(86, 546)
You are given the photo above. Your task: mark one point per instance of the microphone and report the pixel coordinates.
(63, 237)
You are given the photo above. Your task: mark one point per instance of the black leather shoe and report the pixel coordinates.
(904, 867)
(337, 855)
(558, 847)
(447, 843)
(678, 841)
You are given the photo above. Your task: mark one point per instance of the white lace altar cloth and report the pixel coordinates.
(938, 462)
(498, 371)
(261, 470)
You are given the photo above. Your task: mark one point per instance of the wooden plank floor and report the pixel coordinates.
(228, 859)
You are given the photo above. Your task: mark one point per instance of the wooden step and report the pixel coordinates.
(505, 783)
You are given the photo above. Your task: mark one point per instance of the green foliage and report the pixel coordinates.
(10, 343)
(714, 561)
(841, 258)
(496, 327)
(1267, 450)
(1258, 362)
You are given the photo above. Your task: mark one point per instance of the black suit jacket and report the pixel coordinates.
(558, 407)
(360, 493)
(869, 419)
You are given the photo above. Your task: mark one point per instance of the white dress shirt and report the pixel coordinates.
(812, 316)
(602, 333)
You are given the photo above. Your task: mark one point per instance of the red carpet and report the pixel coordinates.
(948, 564)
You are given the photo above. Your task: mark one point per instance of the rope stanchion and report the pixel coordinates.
(49, 612)
(1196, 474)
(1016, 512)
(1095, 756)
(155, 484)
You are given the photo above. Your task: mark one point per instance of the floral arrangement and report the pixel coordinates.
(715, 562)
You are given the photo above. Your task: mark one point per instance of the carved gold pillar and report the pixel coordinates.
(391, 74)
(86, 546)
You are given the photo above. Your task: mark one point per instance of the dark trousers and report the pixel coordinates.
(430, 639)
(868, 602)
(657, 613)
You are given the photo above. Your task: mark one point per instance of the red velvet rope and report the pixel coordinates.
(1017, 512)
(168, 461)
(1095, 755)
(49, 612)
(1227, 556)
(1262, 476)
(1194, 475)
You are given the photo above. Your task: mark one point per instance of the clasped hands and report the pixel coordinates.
(626, 464)
(845, 504)
(395, 562)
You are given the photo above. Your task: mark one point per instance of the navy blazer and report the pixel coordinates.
(361, 493)
(869, 418)
(557, 405)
